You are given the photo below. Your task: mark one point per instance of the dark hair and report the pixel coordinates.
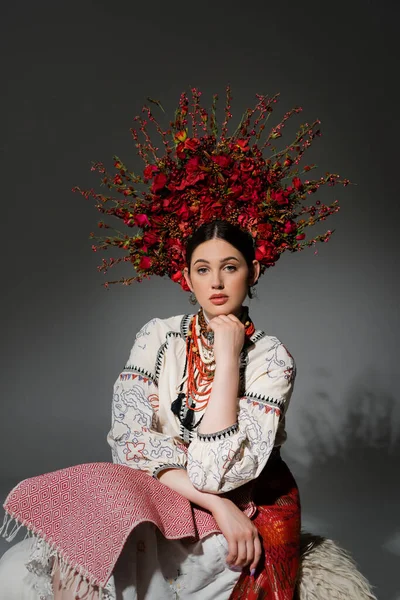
(223, 230)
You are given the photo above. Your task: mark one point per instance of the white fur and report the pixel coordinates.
(327, 572)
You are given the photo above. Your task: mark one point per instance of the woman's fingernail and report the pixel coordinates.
(252, 572)
(235, 568)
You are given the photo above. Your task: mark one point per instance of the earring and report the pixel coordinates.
(192, 298)
(253, 291)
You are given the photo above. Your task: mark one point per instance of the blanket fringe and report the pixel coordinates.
(45, 559)
(10, 535)
(6, 516)
(82, 585)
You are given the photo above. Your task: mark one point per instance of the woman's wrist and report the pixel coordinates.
(221, 411)
(228, 366)
(178, 480)
(217, 502)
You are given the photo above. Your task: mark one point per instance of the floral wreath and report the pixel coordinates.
(202, 175)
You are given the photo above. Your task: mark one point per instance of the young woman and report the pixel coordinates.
(200, 406)
(197, 502)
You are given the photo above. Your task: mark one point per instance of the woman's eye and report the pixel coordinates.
(232, 267)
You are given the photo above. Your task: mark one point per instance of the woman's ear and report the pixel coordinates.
(255, 273)
(187, 278)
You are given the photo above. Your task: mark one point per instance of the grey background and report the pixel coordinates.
(74, 74)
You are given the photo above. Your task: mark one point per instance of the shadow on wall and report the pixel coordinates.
(347, 464)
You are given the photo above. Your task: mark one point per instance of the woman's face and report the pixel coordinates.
(218, 268)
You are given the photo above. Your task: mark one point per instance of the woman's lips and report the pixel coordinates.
(220, 300)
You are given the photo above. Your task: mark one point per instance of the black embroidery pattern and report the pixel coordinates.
(185, 322)
(243, 362)
(161, 352)
(160, 468)
(257, 335)
(265, 400)
(219, 435)
(140, 371)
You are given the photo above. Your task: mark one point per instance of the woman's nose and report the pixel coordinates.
(217, 281)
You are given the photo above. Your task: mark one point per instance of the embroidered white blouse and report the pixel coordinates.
(146, 434)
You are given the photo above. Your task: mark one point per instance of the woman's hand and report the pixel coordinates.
(244, 543)
(229, 334)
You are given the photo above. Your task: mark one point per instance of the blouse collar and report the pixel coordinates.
(257, 335)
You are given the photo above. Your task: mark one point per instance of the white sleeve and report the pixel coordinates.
(221, 461)
(135, 436)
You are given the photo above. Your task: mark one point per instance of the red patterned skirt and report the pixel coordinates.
(278, 521)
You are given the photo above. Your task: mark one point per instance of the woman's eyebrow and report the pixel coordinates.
(221, 261)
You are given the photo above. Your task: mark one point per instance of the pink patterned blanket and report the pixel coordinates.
(86, 513)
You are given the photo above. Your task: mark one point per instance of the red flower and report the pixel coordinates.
(266, 252)
(194, 173)
(210, 212)
(183, 212)
(192, 144)
(221, 160)
(150, 238)
(247, 220)
(280, 197)
(235, 191)
(141, 220)
(243, 145)
(300, 236)
(145, 263)
(235, 175)
(297, 183)
(149, 171)
(247, 165)
(265, 231)
(193, 164)
(242, 220)
(118, 180)
(174, 242)
(290, 227)
(180, 151)
(159, 182)
(184, 285)
(177, 277)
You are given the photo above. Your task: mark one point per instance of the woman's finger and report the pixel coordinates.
(215, 322)
(221, 320)
(228, 319)
(241, 560)
(257, 554)
(250, 552)
(233, 318)
(232, 552)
